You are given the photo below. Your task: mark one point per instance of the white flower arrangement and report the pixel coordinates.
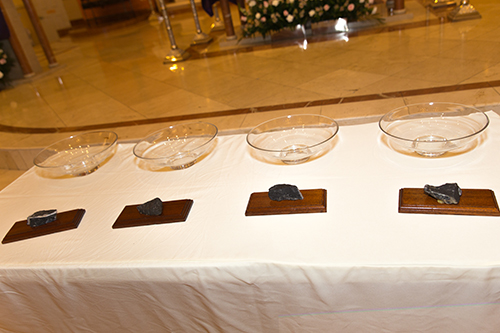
(6, 64)
(264, 16)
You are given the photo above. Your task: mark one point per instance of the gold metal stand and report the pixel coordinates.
(464, 12)
(218, 25)
(175, 54)
(154, 16)
(200, 37)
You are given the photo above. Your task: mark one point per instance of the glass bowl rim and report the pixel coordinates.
(115, 139)
(290, 116)
(169, 127)
(434, 103)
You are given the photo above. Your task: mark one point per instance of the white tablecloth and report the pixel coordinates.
(362, 266)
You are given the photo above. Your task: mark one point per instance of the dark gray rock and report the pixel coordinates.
(42, 217)
(448, 193)
(152, 208)
(282, 192)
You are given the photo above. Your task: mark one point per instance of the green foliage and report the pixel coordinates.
(265, 16)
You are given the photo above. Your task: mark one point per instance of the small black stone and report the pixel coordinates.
(284, 192)
(152, 207)
(448, 193)
(42, 217)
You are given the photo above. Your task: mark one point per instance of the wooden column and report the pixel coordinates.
(16, 46)
(399, 7)
(228, 22)
(30, 9)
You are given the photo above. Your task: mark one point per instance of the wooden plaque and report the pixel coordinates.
(472, 202)
(173, 211)
(64, 221)
(314, 202)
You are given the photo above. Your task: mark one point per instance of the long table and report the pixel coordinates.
(359, 267)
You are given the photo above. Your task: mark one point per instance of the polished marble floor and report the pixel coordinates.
(114, 77)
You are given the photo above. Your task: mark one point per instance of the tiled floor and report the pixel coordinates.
(116, 79)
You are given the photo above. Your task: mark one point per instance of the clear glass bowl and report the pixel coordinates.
(432, 129)
(178, 146)
(293, 139)
(77, 155)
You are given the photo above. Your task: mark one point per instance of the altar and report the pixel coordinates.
(359, 266)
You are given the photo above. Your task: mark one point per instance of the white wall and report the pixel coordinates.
(73, 9)
(53, 17)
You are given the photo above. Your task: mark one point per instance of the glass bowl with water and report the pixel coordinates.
(77, 155)
(177, 146)
(432, 129)
(293, 139)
